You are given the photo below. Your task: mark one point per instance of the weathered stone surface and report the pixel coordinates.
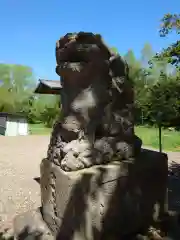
(96, 182)
(31, 226)
(98, 95)
(115, 199)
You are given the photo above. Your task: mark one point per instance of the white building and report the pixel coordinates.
(13, 124)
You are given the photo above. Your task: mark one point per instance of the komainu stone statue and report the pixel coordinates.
(97, 105)
(97, 183)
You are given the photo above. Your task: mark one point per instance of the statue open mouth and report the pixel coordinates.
(75, 51)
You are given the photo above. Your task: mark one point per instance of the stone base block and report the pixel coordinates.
(31, 226)
(105, 201)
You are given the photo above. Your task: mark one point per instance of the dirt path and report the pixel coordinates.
(19, 164)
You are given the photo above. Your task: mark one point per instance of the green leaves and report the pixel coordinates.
(164, 97)
(17, 84)
(156, 87)
(169, 23)
(171, 54)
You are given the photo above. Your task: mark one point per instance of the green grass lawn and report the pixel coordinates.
(39, 129)
(149, 136)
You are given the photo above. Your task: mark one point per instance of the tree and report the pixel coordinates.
(134, 65)
(17, 84)
(147, 54)
(164, 98)
(170, 22)
(146, 78)
(51, 111)
(6, 98)
(138, 77)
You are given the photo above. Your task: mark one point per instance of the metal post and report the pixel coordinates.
(160, 138)
(142, 117)
(159, 118)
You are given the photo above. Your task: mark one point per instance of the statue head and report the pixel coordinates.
(81, 58)
(83, 64)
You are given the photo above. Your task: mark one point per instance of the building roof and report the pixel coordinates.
(14, 115)
(48, 87)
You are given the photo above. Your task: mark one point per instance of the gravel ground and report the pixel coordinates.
(19, 165)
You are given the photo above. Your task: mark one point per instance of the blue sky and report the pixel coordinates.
(30, 28)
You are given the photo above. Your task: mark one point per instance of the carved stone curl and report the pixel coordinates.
(97, 100)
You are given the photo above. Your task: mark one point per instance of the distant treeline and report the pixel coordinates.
(156, 81)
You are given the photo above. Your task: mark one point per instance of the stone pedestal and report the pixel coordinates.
(101, 202)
